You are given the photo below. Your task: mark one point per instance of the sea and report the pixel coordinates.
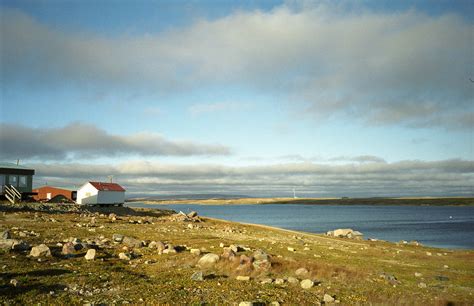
(436, 226)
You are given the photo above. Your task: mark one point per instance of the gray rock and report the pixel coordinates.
(261, 260)
(68, 248)
(132, 242)
(306, 284)
(208, 260)
(197, 276)
(5, 234)
(90, 255)
(124, 256)
(117, 237)
(328, 299)
(40, 251)
(301, 272)
(6, 244)
(20, 245)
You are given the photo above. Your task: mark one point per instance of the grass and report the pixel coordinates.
(348, 269)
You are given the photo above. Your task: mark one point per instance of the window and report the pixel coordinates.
(22, 182)
(13, 180)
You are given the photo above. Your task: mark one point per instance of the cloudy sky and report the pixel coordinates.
(332, 98)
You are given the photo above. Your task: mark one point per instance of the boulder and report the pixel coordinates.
(228, 254)
(293, 280)
(132, 242)
(5, 234)
(117, 237)
(306, 284)
(197, 276)
(195, 251)
(160, 246)
(124, 256)
(90, 255)
(301, 272)
(40, 251)
(208, 260)
(345, 233)
(68, 248)
(6, 244)
(328, 299)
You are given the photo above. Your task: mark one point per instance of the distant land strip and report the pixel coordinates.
(454, 201)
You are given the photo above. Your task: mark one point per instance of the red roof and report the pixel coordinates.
(107, 186)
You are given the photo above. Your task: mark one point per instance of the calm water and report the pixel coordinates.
(437, 226)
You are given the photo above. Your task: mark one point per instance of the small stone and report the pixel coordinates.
(428, 254)
(306, 284)
(417, 274)
(117, 237)
(327, 298)
(275, 303)
(195, 251)
(301, 272)
(267, 280)
(68, 248)
(132, 242)
(190, 226)
(243, 278)
(221, 245)
(40, 250)
(208, 260)
(197, 276)
(90, 255)
(446, 266)
(293, 280)
(291, 249)
(5, 234)
(124, 256)
(245, 304)
(14, 282)
(422, 285)
(279, 281)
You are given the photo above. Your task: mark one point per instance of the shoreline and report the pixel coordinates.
(316, 201)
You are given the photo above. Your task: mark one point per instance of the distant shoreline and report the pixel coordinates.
(317, 201)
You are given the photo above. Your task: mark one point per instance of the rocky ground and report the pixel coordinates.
(58, 254)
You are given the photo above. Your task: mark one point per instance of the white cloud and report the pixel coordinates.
(446, 177)
(79, 140)
(228, 106)
(379, 68)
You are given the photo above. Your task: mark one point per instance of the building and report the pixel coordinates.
(93, 193)
(18, 177)
(54, 194)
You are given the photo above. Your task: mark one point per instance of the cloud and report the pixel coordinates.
(377, 68)
(403, 178)
(79, 140)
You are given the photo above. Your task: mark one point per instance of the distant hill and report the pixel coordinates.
(188, 197)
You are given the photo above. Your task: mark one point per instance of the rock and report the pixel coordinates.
(301, 272)
(5, 235)
(293, 280)
(328, 299)
(428, 254)
(345, 233)
(170, 249)
(90, 255)
(195, 251)
(68, 248)
(20, 245)
(14, 282)
(418, 274)
(245, 304)
(6, 244)
(192, 214)
(228, 254)
(267, 280)
(279, 281)
(132, 242)
(117, 237)
(40, 251)
(125, 256)
(422, 285)
(306, 284)
(160, 246)
(208, 260)
(197, 276)
(243, 278)
(291, 249)
(275, 303)
(389, 278)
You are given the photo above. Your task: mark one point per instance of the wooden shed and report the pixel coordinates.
(101, 193)
(54, 194)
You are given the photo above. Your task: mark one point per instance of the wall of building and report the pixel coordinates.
(111, 197)
(87, 194)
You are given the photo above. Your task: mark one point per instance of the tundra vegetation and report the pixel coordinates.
(158, 256)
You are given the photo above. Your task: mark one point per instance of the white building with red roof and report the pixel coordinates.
(93, 193)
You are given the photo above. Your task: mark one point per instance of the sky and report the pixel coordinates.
(257, 98)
